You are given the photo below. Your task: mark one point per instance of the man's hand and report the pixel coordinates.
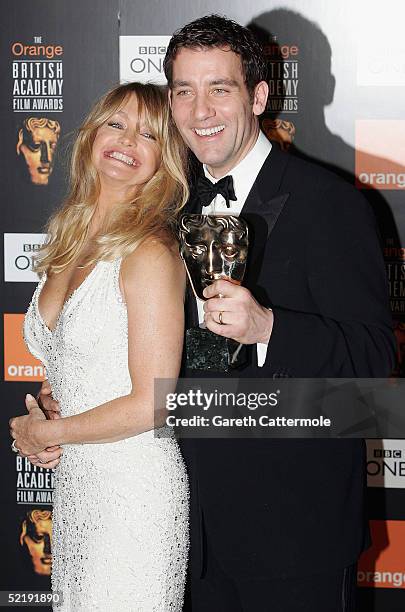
(27, 430)
(243, 318)
(48, 405)
(49, 458)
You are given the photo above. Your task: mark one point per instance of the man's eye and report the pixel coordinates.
(183, 92)
(115, 124)
(35, 146)
(219, 90)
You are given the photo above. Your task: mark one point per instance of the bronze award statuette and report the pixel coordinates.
(213, 247)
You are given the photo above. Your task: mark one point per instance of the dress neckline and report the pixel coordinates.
(65, 303)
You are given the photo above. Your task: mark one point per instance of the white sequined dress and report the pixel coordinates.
(120, 516)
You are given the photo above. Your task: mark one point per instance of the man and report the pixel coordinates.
(276, 525)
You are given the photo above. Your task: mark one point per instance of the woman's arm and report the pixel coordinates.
(153, 282)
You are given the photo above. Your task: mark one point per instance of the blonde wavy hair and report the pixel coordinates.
(151, 212)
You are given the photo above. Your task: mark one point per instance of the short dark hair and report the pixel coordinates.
(217, 31)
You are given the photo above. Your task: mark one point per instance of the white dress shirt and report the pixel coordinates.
(244, 175)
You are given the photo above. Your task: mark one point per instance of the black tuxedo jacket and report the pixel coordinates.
(271, 507)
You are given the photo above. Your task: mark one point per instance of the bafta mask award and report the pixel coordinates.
(212, 247)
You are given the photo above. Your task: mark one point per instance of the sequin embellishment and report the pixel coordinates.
(120, 516)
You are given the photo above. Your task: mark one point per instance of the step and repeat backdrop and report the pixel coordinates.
(337, 97)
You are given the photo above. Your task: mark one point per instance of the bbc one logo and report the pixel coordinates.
(383, 64)
(19, 253)
(386, 464)
(141, 58)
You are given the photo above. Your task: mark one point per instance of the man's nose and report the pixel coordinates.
(203, 107)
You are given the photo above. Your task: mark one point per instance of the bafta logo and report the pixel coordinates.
(37, 142)
(36, 536)
(212, 247)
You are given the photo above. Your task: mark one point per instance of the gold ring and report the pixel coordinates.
(220, 318)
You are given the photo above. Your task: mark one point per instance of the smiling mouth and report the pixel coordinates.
(126, 159)
(212, 131)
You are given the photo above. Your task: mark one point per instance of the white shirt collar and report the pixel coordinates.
(244, 175)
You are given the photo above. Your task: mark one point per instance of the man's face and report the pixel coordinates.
(38, 540)
(213, 248)
(212, 108)
(39, 151)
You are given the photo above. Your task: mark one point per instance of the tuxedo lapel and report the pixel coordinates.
(193, 206)
(262, 210)
(268, 182)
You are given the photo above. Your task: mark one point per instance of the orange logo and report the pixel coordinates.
(380, 154)
(19, 364)
(383, 565)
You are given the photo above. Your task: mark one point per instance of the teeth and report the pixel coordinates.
(209, 131)
(128, 160)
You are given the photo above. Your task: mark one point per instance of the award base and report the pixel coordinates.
(208, 351)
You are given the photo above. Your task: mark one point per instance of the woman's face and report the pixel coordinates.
(125, 152)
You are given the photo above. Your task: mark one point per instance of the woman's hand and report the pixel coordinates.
(28, 431)
(46, 402)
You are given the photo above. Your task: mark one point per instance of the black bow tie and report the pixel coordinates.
(207, 190)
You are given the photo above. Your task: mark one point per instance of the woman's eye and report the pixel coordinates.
(148, 135)
(115, 124)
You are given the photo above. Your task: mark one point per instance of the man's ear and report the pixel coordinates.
(260, 95)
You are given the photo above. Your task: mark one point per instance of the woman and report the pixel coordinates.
(107, 319)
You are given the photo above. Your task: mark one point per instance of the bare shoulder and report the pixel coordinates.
(156, 261)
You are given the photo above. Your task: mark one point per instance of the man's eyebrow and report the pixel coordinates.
(219, 81)
(228, 82)
(178, 83)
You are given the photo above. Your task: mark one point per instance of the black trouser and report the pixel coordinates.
(217, 591)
